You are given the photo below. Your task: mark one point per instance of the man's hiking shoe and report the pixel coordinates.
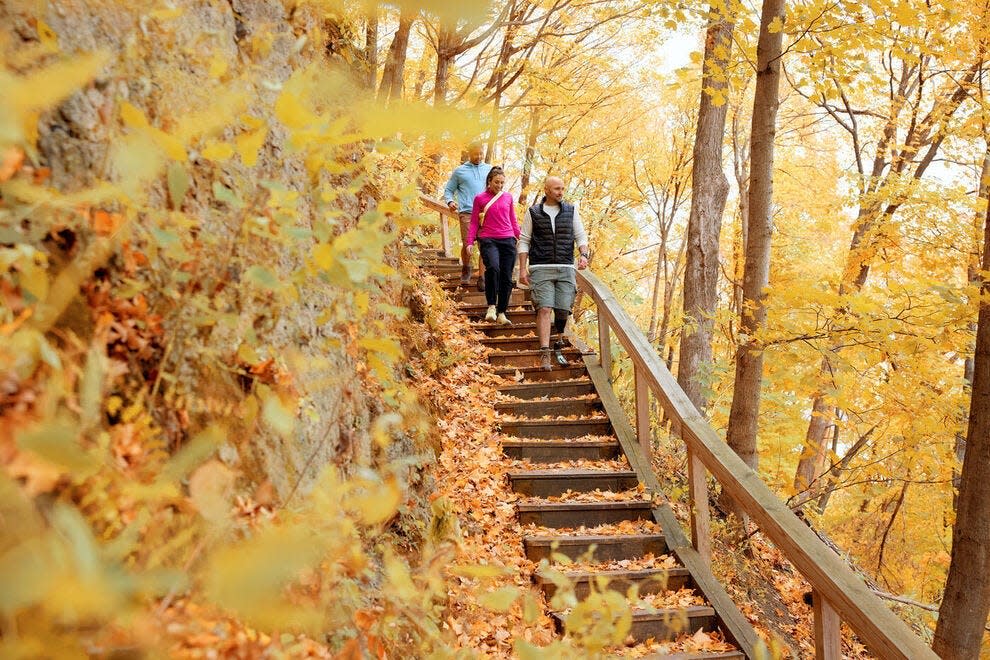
(481, 283)
(490, 314)
(465, 275)
(558, 353)
(502, 319)
(545, 359)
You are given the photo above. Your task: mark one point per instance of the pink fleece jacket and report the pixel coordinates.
(500, 221)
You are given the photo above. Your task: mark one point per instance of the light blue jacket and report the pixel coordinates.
(465, 183)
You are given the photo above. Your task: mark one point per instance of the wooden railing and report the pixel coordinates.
(445, 213)
(838, 593)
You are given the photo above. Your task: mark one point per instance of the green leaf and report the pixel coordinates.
(262, 277)
(195, 452)
(224, 194)
(58, 444)
(277, 416)
(399, 579)
(178, 183)
(164, 238)
(91, 386)
(501, 599)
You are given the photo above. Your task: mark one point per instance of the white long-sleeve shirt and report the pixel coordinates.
(526, 233)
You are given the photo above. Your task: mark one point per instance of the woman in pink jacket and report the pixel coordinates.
(493, 223)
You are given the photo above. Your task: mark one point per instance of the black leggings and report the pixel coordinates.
(499, 255)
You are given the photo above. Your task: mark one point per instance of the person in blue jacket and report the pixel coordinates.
(466, 182)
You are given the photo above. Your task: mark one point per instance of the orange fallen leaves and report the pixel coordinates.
(10, 162)
(613, 529)
(105, 222)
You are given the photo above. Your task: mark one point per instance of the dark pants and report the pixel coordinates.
(499, 255)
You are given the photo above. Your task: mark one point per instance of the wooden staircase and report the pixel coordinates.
(582, 498)
(838, 594)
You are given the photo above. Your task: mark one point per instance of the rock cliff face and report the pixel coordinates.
(171, 62)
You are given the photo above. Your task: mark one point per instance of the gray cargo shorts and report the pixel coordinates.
(553, 286)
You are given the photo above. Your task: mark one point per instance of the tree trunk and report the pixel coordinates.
(709, 189)
(745, 411)
(740, 168)
(371, 47)
(966, 602)
(651, 334)
(973, 278)
(395, 63)
(445, 57)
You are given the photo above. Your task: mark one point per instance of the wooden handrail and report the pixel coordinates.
(839, 592)
(441, 208)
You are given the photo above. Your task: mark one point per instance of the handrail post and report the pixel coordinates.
(445, 235)
(604, 346)
(701, 535)
(828, 640)
(643, 412)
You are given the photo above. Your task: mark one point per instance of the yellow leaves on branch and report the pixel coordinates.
(26, 96)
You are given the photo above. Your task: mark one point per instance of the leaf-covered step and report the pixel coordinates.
(442, 268)
(528, 343)
(728, 655)
(557, 407)
(587, 514)
(647, 581)
(537, 390)
(475, 297)
(514, 330)
(547, 483)
(477, 312)
(594, 547)
(527, 357)
(478, 309)
(665, 624)
(552, 428)
(558, 451)
(536, 373)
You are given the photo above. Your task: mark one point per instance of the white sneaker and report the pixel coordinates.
(490, 314)
(503, 319)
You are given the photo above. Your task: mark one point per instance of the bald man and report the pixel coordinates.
(550, 231)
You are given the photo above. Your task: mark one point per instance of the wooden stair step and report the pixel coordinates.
(423, 252)
(728, 655)
(514, 315)
(663, 625)
(443, 269)
(517, 297)
(546, 483)
(549, 429)
(599, 547)
(542, 407)
(571, 372)
(527, 357)
(514, 330)
(537, 390)
(586, 514)
(455, 275)
(513, 343)
(479, 308)
(648, 580)
(559, 451)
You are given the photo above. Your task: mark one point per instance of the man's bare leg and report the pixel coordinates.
(544, 317)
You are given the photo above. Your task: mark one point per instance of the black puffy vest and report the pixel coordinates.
(552, 243)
